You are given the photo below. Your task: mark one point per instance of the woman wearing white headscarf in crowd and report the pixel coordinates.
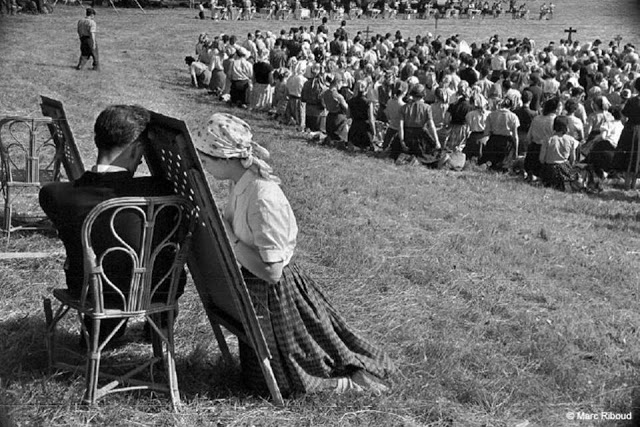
(313, 347)
(218, 78)
(295, 107)
(263, 83)
(241, 76)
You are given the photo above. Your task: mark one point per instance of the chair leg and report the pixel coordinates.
(8, 211)
(222, 343)
(93, 363)
(170, 364)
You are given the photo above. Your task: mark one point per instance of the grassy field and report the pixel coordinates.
(501, 303)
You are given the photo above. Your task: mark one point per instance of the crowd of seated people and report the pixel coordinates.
(442, 102)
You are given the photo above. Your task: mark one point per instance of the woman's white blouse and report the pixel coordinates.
(261, 217)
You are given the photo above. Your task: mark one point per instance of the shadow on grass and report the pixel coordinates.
(617, 195)
(59, 66)
(22, 348)
(23, 359)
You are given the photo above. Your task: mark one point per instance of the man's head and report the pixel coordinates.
(90, 12)
(120, 134)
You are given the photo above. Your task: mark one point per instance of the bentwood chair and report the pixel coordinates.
(27, 158)
(134, 253)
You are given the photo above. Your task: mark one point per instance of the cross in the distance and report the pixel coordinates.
(366, 34)
(571, 30)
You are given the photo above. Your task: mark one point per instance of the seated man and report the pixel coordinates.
(120, 135)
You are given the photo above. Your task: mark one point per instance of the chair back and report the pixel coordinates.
(67, 151)
(134, 252)
(26, 155)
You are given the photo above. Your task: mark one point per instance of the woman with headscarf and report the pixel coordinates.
(593, 127)
(502, 129)
(457, 113)
(241, 75)
(363, 123)
(337, 108)
(311, 92)
(263, 84)
(313, 348)
(476, 121)
(540, 131)
(218, 78)
(417, 134)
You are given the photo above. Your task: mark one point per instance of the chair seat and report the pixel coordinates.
(66, 298)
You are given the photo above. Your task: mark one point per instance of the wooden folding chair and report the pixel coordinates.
(212, 263)
(67, 152)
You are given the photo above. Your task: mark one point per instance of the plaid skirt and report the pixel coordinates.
(557, 174)
(296, 111)
(311, 344)
(457, 137)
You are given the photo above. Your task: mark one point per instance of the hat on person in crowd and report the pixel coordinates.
(90, 11)
(479, 101)
(242, 52)
(225, 136)
(361, 87)
(316, 69)
(463, 88)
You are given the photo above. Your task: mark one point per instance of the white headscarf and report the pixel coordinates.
(228, 137)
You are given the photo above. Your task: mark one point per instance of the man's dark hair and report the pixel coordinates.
(118, 126)
(550, 106)
(561, 124)
(90, 12)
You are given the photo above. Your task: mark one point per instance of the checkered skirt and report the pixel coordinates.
(311, 344)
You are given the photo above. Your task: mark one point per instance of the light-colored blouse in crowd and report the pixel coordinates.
(476, 120)
(392, 111)
(541, 129)
(611, 131)
(557, 149)
(262, 218)
(240, 69)
(502, 122)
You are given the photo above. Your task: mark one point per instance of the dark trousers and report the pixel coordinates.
(88, 51)
(240, 92)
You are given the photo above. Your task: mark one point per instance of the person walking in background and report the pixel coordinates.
(87, 29)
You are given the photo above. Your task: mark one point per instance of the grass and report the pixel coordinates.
(501, 303)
